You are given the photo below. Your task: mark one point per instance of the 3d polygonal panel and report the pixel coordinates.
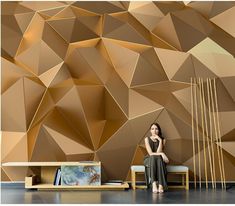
(85, 80)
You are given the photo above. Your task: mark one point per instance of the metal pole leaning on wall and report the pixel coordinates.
(219, 136)
(192, 113)
(210, 127)
(216, 133)
(203, 129)
(207, 135)
(198, 141)
(211, 131)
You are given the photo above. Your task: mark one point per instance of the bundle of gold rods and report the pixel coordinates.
(206, 128)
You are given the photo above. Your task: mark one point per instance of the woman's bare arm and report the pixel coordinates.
(160, 146)
(148, 148)
(160, 150)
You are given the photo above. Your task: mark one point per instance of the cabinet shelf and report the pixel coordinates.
(44, 186)
(44, 174)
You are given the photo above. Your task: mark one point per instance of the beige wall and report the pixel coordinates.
(84, 80)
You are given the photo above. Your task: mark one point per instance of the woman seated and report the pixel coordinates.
(156, 159)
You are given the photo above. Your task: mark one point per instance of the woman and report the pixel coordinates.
(156, 160)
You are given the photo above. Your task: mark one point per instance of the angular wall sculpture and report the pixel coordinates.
(84, 80)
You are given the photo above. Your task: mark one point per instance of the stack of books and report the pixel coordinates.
(57, 179)
(114, 182)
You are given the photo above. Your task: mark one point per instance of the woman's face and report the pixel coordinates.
(154, 130)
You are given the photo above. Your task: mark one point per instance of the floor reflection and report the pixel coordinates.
(11, 195)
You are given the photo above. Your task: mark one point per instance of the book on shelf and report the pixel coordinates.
(114, 182)
(88, 161)
(57, 178)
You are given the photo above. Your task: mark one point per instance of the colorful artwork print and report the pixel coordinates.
(80, 175)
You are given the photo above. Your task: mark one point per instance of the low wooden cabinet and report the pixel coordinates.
(44, 174)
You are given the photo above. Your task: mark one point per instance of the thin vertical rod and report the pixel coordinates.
(219, 134)
(207, 134)
(198, 141)
(192, 112)
(216, 133)
(203, 130)
(211, 134)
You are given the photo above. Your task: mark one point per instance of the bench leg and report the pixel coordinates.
(133, 179)
(187, 181)
(183, 176)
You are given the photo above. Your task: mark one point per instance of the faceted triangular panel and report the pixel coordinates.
(19, 153)
(166, 27)
(171, 67)
(94, 110)
(85, 80)
(122, 31)
(70, 106)
(229, 85)
(169, 130)
(52, 12)
(10, 140)
(48, 76)
(13, 115)
(68, 146)
(192, 18)
(23, 20)
(50, 153)
(33, 93)
(225, 21)
(147, 13)
(12, 175)
(120, 93)
(114, 117)
(85, 73)
(145, 73)
(140, 126)
(167, 7)
(188, 30)
(100, 7)
(136, 102)
(211, 9)
(11, 73)
(4, 176)
(124, 60)
(229, 147)
(75, 31)
(32, 35)
(40, 51)
(119, 146)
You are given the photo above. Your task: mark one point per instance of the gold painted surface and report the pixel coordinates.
(84, 80)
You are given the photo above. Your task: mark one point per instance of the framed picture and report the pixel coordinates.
(80, 175)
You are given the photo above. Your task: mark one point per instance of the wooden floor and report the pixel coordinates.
(16, 194)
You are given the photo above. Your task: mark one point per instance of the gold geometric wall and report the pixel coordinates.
(84, 80)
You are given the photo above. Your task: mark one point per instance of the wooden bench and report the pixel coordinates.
(171, 169)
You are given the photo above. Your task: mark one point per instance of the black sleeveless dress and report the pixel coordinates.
(155, 167)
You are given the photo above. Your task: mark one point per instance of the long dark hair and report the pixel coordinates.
(159, 129)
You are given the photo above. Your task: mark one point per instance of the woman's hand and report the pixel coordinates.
(159, 138)
(164, 157)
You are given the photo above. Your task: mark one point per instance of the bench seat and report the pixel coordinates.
(173, 169)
